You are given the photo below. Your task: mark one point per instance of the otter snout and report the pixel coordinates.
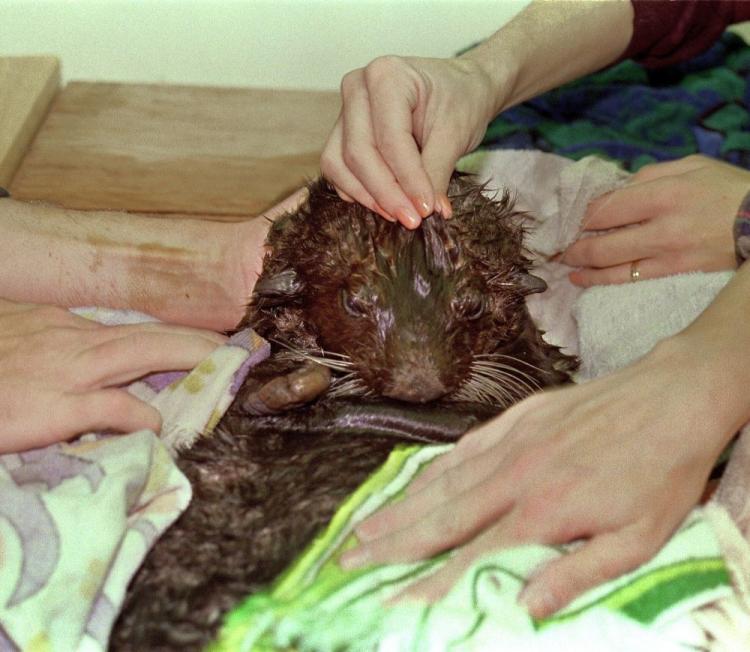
(415, 386)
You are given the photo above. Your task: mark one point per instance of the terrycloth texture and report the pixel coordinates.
(637, 116)
(317, 606)
(689, 598)
(78, 519)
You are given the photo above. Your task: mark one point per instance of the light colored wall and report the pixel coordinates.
(270, 43)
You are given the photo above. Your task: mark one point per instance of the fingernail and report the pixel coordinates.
(445, 207)
(408, 217)
(538, 601)
(352, 559)
(423, 206)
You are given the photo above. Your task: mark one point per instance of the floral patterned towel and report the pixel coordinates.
(77, 519)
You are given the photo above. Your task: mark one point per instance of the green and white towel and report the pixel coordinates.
(318, 606)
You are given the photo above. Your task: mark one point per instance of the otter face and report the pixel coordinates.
(434, 313)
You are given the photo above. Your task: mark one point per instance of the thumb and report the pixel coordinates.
(439, 156)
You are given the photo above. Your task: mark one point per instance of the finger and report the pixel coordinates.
(444, 489)
(440, 153)
(394, 135)
(448, 525)
(623, 245)
(504, 534)
(287, 205)
(124, 330)
(365, 162)
(605, 557)
(344, 196)
(76, 414)
(648, 268)
(123, 359)
(659, 170)
(627, 205)
(334, 169)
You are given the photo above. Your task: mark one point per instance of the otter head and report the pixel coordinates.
(403, 314)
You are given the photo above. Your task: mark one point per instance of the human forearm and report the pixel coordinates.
(187, 271)
(718, 344)
(550, 43)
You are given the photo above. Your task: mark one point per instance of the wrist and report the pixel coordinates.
(712, 383)
(496, 74)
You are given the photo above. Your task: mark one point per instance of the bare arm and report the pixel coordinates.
(405, 121)
(192, 272)
(551, 43)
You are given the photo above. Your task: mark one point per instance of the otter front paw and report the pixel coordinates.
(288, 391)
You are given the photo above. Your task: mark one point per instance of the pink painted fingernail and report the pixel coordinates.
(408, 217)
(423, 206)
(445, 207)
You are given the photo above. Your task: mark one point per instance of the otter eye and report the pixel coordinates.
(470, 305)
(355, 303)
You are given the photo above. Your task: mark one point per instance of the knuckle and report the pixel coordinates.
(350, 81)
(354, 158)
(452, 527)
(696, 158)
(646, 171)
(450, 484)
(535, 509)
(389, 144)
(330, 164)
(382, 69)
(54, 315)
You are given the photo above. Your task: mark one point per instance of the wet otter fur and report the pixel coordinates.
(425, 333)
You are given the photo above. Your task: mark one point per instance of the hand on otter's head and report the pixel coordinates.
(404, 123)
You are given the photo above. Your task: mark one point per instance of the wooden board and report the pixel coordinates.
(27, 86)
(217, 152)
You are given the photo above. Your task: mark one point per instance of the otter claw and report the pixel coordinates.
(288, 391)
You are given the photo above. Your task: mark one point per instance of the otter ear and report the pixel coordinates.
(278, 288)
(525, 283)
(530, 284)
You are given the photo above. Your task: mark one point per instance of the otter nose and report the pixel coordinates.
(415, 387)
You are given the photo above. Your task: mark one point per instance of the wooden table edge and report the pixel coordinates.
(27, 87)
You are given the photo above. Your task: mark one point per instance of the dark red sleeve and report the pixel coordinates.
(669, 31)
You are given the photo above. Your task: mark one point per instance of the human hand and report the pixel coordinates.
(673, 217)
(60, 373)
(244, 251)
(617, 462)
(404, 123)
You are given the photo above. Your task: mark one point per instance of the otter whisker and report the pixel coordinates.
(351, 387)
(510, 385)
(512, 358)
(483, 389)
(502, 371)
(503, 388)
(298, 354)
(505, 369)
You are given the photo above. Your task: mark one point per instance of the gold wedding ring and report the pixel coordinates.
(635, 274)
